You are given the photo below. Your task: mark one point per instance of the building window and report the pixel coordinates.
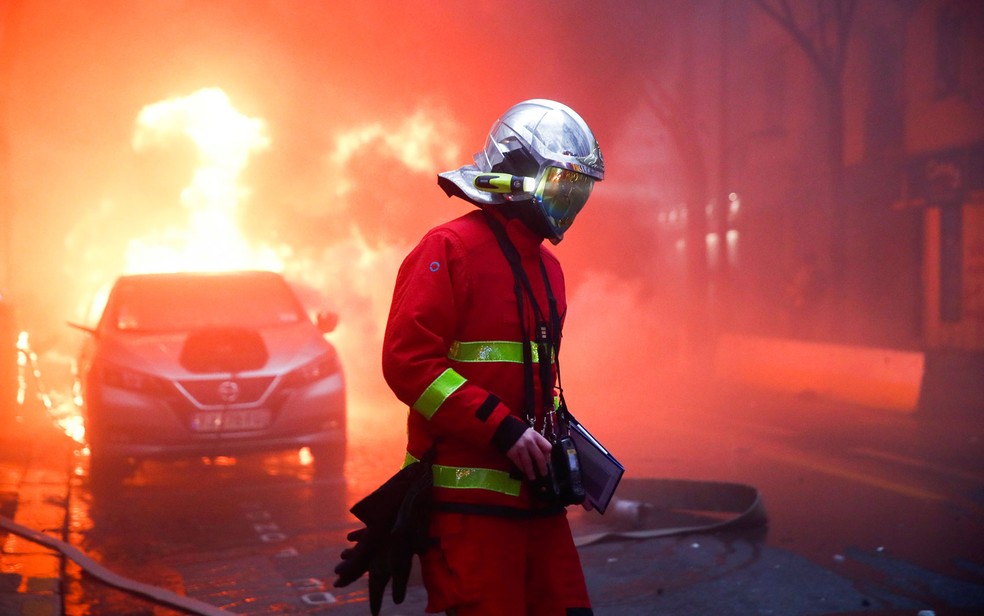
(884, 122)
(949, 38)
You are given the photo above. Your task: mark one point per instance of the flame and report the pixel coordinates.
(352, 274)
(61, 409)
(224, 139)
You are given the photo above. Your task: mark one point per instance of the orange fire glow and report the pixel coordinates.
(349, 274)
(224, 139)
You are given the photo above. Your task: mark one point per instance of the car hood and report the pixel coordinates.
(285, 347)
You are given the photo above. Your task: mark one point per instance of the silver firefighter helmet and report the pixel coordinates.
(540, 151)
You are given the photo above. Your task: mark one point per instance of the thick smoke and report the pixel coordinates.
(362, 104)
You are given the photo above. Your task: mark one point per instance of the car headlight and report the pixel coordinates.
(318, 368)
(114, 375)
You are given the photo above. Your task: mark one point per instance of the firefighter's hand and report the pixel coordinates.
(530, 454)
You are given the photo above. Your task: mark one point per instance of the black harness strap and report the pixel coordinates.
(547, 332)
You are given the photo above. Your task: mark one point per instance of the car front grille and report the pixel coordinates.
(226, 392)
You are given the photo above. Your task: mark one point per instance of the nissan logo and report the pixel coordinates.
(228, 391)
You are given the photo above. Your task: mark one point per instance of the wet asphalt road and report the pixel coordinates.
(870, 512)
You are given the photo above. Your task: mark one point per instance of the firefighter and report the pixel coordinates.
(472, 347)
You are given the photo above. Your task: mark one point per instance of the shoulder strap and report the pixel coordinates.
(547, 333)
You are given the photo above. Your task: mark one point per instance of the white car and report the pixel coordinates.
(207, 364)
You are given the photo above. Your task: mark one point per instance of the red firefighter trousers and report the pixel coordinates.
(493, 566)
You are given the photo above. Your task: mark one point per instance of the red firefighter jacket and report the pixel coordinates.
(452, 352)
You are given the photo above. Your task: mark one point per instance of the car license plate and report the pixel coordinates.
(230, 421)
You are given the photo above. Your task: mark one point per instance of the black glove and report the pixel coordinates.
(356, 560)
(396, 516)
(384, 557)
(392, 563)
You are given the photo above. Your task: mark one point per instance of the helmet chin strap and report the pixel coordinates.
(529, 214)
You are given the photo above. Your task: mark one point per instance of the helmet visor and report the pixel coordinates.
(561, 193)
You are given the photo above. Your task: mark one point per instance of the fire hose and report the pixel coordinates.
(27, 363)
(650, 508)
(744, 503)
(645, 509)
(93, 568)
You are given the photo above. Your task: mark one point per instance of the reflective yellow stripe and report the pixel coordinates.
(437, 392)
(462, 478)
(490, 351)
(475, 478)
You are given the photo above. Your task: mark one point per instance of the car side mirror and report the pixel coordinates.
(327, 322)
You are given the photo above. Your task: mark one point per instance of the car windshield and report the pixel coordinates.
(182, 303)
